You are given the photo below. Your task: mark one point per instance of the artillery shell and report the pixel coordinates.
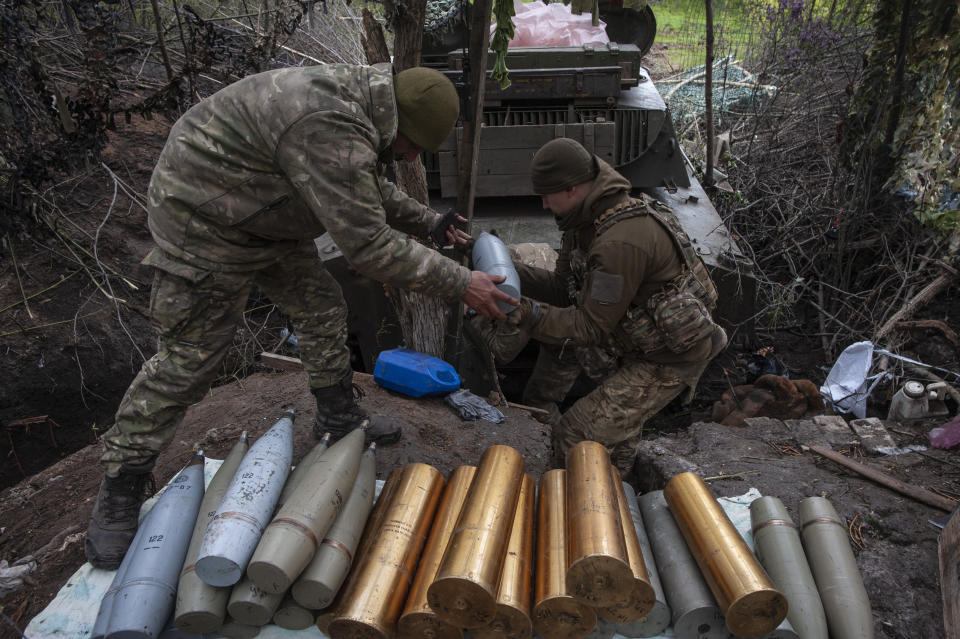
(780, 552)
(418, 619)
(300, 470)
(143, 602)
(319, 583)
(292, 616)
(201, 607)
(373, 596)
(463, 593)
(834, 568)
(750, 603)
(512, 619)
(252, 606)
(599, 571)
(695, 611)
(556, 614)
(292, 538)
(234, 531)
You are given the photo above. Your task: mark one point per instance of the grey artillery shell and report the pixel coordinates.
(252, 606)
(99, 630)
(290, 541)
(780, 552)
(695, 611)
(319, 583)
(301, 469)
(234, 531)
(292, 616)
(201, 607)
(657, 619)
(835, 571)
(145, 599)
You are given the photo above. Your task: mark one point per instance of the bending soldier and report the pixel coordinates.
(628, 304)
(247, 179)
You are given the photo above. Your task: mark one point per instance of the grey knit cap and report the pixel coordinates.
(561, 164)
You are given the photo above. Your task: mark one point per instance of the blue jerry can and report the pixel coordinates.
(414, 373)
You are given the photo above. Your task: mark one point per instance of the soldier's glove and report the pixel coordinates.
(526, 315)
(439, 232)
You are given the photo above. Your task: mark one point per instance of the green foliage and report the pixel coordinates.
(503, 13)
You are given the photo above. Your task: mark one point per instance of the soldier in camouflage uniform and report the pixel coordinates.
(628, 304)
(247, 179)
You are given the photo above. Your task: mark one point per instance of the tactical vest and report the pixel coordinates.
(678, 315)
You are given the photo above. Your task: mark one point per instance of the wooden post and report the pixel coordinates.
(469, 146)
(708, 96)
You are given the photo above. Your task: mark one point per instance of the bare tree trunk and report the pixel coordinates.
(422, 318)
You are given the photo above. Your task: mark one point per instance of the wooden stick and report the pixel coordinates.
(914, 492)
(948, 332)
(529, 409)
(928, 293)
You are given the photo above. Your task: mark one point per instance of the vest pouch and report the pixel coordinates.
(681, 318)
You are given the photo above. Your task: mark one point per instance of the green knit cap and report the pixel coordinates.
(561, 164)
(427, 106)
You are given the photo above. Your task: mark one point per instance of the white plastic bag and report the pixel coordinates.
(552, 25)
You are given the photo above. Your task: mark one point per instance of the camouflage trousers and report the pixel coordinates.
(195, 313)
(613, 413)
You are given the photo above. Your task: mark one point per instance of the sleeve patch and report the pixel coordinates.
(606, 288)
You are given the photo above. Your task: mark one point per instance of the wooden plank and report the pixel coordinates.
(280, 362)
(914, 492)
(949, 554)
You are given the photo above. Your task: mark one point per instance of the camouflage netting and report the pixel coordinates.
(736, 93)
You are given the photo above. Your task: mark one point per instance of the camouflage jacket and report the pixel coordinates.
(282, 156)
(599, 278)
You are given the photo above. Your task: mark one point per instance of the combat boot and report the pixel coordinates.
(113, 524)
(338, 413)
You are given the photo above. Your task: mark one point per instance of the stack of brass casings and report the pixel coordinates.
(418, 620)
(598, 571)
(512, 619)
(835, 571)
(377, 588)
(695, 611)
(556, 614)
(780, 552)
(464, 591)
(751, 605)
(201, 608)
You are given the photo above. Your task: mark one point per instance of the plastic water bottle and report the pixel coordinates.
(491, 256)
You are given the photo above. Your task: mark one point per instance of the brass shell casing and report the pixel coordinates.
(598, 571)
(326, 616)
(642, 595)
(750, 603)
(464, 591)
(418, 620)
(374, 596)
(556, 615)
(512, 618)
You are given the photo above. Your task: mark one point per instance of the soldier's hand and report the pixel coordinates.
(446, 233)
(526, 315)
(482, 295)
